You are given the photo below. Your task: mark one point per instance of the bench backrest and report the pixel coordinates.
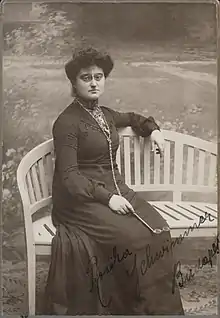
(188, 164)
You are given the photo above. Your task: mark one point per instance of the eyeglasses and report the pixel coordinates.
(88, 77)
(155, 231)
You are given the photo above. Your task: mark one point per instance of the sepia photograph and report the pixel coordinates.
(109, 170)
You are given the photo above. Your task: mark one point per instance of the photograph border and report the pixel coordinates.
(215, 2)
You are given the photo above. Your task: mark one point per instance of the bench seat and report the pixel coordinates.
(179, 215)
(188, 165)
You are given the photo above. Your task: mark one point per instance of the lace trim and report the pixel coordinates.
(99, 117)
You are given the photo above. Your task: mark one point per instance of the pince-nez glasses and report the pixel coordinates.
(155, 231)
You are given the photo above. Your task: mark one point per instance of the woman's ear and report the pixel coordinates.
(73, 90)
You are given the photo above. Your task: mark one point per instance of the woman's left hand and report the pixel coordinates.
(158, 139)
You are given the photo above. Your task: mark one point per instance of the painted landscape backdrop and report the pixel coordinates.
(165, 66)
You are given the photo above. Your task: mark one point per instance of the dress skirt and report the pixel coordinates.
(103, 263)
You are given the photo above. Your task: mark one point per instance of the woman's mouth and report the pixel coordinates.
(93, 91)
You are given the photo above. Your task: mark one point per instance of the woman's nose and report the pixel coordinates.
(93, 83)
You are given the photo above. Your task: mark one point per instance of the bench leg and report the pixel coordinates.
(31, 273)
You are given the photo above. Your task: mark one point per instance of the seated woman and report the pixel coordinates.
(104, 259)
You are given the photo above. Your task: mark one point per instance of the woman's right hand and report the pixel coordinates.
(120, 205)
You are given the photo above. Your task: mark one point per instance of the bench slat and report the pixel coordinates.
(173, 219)
(198, 209)
(41, 234)
(146, 162)
(178, 168)
(42, 178)
(212, 209)
(156, 168)
(36, 185)
(127, 160)
(201, 167)
(49, 172)
(118, 158)
(190, 166)
(167, 162)
(137, 162)
(30, 188)
(212, 170)
(191, 209)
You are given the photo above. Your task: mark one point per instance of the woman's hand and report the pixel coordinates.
(158, 139)
(120, 205)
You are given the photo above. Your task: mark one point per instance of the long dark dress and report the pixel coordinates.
(103, 262)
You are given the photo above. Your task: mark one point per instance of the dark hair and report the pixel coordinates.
(86, 57)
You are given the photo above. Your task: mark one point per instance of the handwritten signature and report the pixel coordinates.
(181, 279)
(149, 260)
(98, 275)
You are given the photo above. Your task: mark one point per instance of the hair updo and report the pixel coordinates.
(86, 57)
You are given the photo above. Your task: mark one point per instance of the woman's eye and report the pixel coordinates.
(86, 78)
(98, 77)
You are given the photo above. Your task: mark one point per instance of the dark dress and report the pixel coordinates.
(103, 262)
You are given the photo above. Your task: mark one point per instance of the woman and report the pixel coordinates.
(103, 257)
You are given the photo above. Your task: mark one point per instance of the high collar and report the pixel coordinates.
(86, 103)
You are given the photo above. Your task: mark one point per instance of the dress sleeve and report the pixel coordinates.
(142, 125)
(65, 146)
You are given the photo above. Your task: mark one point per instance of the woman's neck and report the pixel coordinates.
(90, 104)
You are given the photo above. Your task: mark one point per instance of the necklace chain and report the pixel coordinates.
(108, 137)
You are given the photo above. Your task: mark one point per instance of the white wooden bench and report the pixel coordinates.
(188, 165)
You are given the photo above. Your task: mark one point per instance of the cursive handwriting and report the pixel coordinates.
(147, 262)
(202, 219)
(97, 275)
(150, 259)
(183, 279)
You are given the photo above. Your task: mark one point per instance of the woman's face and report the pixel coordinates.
(90, 82)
